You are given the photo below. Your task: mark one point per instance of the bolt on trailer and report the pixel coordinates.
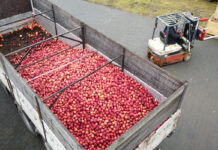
(147, 133)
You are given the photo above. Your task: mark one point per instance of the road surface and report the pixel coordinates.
(13, 133)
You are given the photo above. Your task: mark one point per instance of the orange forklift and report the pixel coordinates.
(177, 39)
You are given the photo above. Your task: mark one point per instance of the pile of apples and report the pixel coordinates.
(23, 36)
(96, 110)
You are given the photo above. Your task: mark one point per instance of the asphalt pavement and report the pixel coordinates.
(198, 127)
(13, 133)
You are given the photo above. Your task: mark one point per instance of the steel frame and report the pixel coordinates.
(56, 35)
(26, 18)
(23, 67)
(62, 66)
(63, 89)
(33, 16)
(31, 46)
(83, 42)
(171, 20)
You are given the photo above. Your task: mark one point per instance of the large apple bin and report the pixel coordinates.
(147, 132)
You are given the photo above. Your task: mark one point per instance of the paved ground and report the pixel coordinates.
(198, 127)
(13, 133)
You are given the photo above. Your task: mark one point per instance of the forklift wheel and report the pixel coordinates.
(151, 59)
(187, 57)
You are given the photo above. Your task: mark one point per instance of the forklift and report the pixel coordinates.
(176, 41)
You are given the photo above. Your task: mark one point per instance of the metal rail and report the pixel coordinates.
(40, 117)
(55, 24)
(22, 49)
(83, 42)
(83, 35)
(25, 56)
(25, 18)
(123, 60)
(47, 18)
(75, 60)
(17, 26)
(30, 46)
(63, 89)
(31, 2)
(71, 39)
(211, 37)
(47, 57)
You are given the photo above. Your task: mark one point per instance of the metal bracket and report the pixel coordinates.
(54, 18)
(40, 117)
(123, 59)
(63, 89)
(83, 35)
(185, 88)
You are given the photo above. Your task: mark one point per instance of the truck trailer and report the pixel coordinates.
(147, 133)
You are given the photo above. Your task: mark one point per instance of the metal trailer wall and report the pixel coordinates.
(10, 8)
(160, 80)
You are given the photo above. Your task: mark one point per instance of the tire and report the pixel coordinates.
(187, 57)
(27, 121)
(151, 58)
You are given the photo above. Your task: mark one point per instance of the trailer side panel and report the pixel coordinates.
(9, 8)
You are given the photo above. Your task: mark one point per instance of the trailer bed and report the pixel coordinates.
(166, 88)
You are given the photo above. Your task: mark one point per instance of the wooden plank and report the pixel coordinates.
(16, 24)
(19, 82)
(10, 8)
(48, 117)
(59, 129)
(212, 26)
(154, 77)
(99, 41)
(63, 18)
(132, 137)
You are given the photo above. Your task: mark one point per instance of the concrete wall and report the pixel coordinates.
(10, 8)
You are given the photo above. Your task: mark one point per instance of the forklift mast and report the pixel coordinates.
(173, 20)
(194, 21)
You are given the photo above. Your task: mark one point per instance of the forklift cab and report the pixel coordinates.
(160, 50)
